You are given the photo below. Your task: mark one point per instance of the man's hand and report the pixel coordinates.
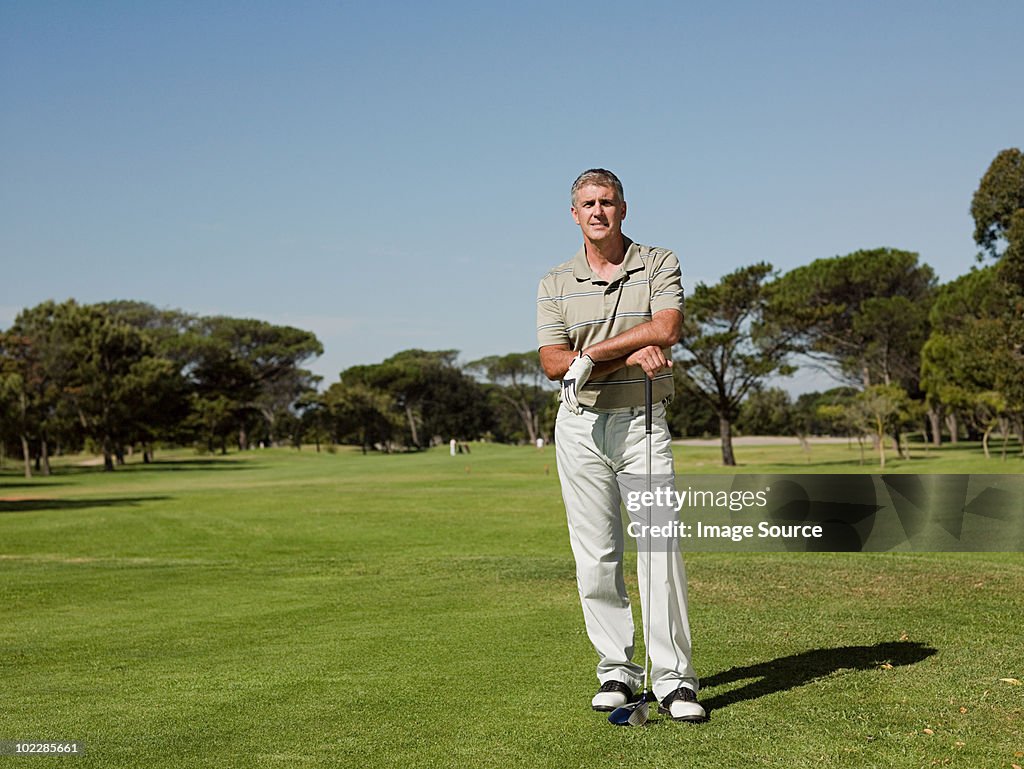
(573, 381)
(651, 359)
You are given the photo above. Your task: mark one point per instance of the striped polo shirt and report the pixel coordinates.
(577, 308)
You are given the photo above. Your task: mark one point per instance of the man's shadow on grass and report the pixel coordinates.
(785, 673)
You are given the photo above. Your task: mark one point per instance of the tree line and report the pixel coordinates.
(946, 358)
(117, 377)
(911, 356)
(122, 375)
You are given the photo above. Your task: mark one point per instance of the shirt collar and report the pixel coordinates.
(632, 263)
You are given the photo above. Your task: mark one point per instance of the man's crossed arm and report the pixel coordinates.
(639, 346)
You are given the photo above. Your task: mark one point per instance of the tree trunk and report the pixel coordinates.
(44, 452)
(935, 420)
(953, 427)
(984, 440)
(412, 425)
(27, 456)
(530, 422)
(108, 457)
(880, 439)
(725, 430)
(902, 449)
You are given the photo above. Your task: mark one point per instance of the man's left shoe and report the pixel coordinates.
(682, 705)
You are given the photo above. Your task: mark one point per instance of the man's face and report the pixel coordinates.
(598, 211)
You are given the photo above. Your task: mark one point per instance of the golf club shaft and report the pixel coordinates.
(648, 428)
(635, 713)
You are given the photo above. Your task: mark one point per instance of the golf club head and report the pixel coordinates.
(633, 714)
(639, 716)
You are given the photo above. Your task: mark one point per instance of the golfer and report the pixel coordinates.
(607, 318)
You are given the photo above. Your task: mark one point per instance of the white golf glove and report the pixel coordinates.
(573, 381)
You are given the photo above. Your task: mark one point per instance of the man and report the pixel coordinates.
(606, 319)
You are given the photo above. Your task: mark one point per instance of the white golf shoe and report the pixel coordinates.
(611, 695)
(682, 705)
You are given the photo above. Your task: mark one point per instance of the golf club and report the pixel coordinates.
(635, 713)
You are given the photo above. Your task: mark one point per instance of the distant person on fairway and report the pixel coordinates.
(607, 318)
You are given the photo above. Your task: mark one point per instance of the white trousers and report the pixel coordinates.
(594, 451)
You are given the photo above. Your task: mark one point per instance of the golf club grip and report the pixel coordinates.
(648, 402)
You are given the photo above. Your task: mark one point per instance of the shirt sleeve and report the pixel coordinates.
(666, 282)
(550, 320)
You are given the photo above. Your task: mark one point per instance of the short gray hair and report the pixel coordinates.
(600, 176)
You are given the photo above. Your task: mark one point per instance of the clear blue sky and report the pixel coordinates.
(395, 175)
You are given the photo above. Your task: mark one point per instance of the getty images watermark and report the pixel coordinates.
(666, 498)
(827, 512)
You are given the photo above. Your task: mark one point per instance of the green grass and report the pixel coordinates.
(285, 609)
(965, 457)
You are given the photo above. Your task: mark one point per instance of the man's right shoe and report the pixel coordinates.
(682, 705)
(611, 695)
